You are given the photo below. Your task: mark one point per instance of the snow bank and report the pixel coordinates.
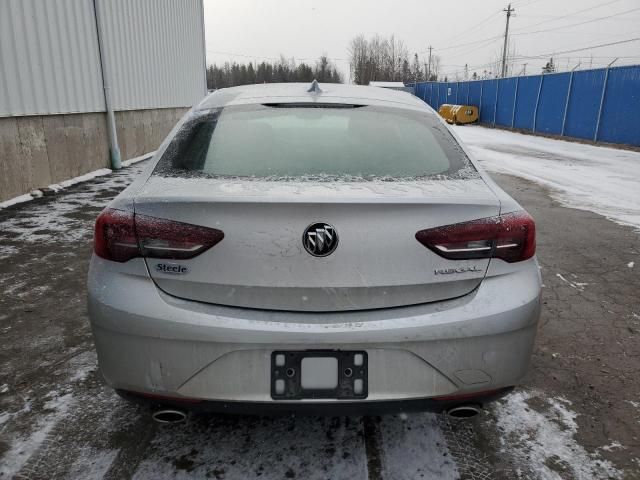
(128, 163)
(72, 181)
(15, 200)
(588, 177)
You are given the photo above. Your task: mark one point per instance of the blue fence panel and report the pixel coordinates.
(463, 93)
(432, 94)
(545, 103)
(526, 102)
(487, 107)
(552, 102)
(582, 114)
(442, 94)
(421, 91)
(506, 98)
(474, 93)
(620, 120)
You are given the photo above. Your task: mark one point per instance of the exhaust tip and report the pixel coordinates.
(464, 411)
(168, 415)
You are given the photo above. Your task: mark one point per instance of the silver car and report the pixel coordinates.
(332, 249)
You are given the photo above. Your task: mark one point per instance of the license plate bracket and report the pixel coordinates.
(352, 375)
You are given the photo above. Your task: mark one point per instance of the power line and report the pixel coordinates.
(570, 14)
(467, 31)
(576, 24)
(552, 54)
(531, 2)
(520, 57)
(485, 42)
(468, 43)
(477, 47)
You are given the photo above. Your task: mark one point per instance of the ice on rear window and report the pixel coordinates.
(317, 144)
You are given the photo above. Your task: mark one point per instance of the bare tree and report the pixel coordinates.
(358, 63)
(436, 63)
(380, 58)
(495, 66)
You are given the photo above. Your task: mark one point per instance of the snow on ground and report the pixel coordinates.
(72, 181)
(415, 447)
(128, 163)
(92, 464)
(61, 219)
(540, 432)
(15, 200)
(588, 177)
(310, 448)
(23, 447)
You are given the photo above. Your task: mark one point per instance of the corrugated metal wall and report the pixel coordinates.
(155, 49)
(49, 61)
(558, 104)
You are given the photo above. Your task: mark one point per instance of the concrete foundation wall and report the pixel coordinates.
(36, 151)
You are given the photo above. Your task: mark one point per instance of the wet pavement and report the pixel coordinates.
(577, 416)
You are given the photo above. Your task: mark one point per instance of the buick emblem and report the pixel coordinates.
(320, 239)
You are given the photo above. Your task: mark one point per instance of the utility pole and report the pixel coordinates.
(429, 69)
(509, 11)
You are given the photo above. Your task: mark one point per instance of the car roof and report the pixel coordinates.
(331, 93)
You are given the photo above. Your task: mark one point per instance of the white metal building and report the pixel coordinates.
(57, 57)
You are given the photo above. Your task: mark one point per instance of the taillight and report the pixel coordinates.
(510, 237)
(115, 236)
(121, 236)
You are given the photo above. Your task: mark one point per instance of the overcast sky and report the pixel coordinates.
(459, 31)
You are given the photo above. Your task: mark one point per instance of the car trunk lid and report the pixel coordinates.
(262, 261)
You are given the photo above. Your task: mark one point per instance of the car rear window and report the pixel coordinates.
(313, 142)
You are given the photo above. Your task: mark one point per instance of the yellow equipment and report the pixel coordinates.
(458, 114)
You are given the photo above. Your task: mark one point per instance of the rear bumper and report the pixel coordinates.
(150, 342)
(379, 407)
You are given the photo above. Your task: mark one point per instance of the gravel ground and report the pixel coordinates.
(577, 416)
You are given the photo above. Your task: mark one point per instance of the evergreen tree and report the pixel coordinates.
(251, 74)
(416, 70)
(405, 71)
(232, 74)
